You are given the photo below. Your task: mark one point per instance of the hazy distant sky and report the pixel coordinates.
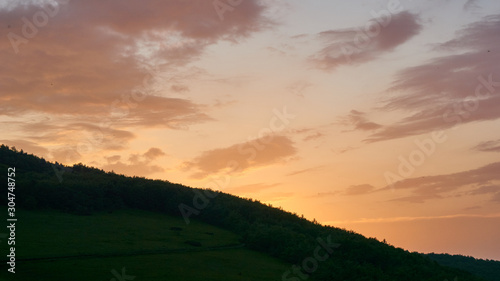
(377, 116)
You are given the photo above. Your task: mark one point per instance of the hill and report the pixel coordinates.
(488, 269)
(150, 246)
(317, 252)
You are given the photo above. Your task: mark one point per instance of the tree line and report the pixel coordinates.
(86, 190)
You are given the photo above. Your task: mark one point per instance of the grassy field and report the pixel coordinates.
(148, 246)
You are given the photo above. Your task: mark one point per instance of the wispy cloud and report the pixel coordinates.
(457, 88)
(90, 59)
(304, 171)
(136, 164)
(359, 121)
(340, 48)
(440, 186)
(488, 146)
(486, 189)
(90, 135)
(326, 194)
(359, 189)
(27, 146)
(417, 218)
(471, 5)
(317, 135)
(240, 157)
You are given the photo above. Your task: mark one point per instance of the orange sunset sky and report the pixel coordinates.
(376, 116)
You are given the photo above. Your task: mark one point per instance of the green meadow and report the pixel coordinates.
(135, 245)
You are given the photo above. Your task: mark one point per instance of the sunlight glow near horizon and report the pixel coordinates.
(276, 67)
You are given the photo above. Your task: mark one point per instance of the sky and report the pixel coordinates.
(380, 117)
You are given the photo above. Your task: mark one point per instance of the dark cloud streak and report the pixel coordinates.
(457, 88)
(356, 45)
(477, 181)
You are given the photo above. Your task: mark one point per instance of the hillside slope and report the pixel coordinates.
(319, 252)
(488, 269)
(150, 246)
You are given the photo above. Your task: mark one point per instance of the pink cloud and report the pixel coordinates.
(483, 180)
(359, 121)
(304, 171)
(450, 90)
(359, 189)
(489, 146)
(240, 157)
(137, 164)
(99, 60)
(357, 45)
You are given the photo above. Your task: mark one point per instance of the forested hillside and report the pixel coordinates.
(488, 269)
(85, 190)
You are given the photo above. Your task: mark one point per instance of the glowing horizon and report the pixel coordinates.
(378, 116)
